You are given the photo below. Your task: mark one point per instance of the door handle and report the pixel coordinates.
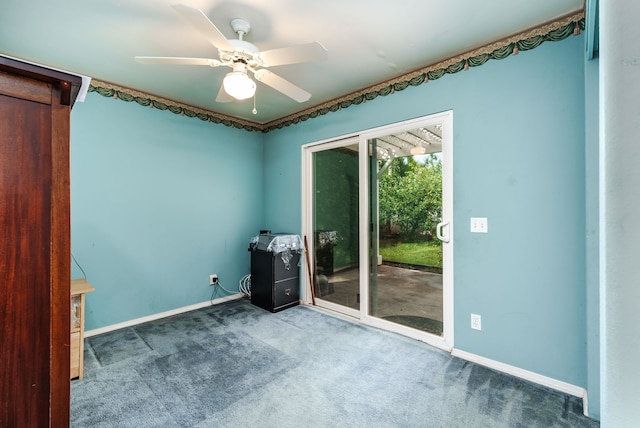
(442, 231)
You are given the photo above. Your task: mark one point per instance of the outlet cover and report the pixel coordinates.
(476, 322)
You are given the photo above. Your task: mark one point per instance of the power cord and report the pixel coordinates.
(245, 285)
(78, 264)
(216, 286)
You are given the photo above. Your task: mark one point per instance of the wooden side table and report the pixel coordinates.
(78, 289)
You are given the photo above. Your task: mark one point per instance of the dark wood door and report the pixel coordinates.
(34, 246)
(25, 227)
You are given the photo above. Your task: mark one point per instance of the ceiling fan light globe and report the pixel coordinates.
(239, 85)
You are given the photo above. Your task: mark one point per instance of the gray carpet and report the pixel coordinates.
(236, 365)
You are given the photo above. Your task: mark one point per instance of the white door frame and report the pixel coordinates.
(307, 216)
(446, 119)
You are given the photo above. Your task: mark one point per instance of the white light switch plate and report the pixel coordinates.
(479, 225)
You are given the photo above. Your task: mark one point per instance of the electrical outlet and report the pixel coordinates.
(476, 322)
(213, 279)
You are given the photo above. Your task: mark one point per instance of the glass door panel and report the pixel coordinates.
(405, 188)
(335, 205)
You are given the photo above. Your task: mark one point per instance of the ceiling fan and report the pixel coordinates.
(243, 57)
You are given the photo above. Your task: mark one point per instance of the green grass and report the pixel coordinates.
(413, 253)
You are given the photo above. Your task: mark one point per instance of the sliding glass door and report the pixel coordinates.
(378, 217)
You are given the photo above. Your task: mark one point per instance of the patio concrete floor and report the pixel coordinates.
(404, 295)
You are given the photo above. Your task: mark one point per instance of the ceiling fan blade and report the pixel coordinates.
(223, 97)
(282, 85)
(199, 20)
(177, 60)
(308, 52)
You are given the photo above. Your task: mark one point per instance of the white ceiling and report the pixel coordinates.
(368, 41)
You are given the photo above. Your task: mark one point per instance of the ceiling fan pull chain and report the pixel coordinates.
(254, 111)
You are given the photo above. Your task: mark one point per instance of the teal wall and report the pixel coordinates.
(158, 202)
(519, 159)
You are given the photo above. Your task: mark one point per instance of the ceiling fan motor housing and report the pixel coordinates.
(244, 52)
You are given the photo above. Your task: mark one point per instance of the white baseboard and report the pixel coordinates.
(160, 315)
(558, 385)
